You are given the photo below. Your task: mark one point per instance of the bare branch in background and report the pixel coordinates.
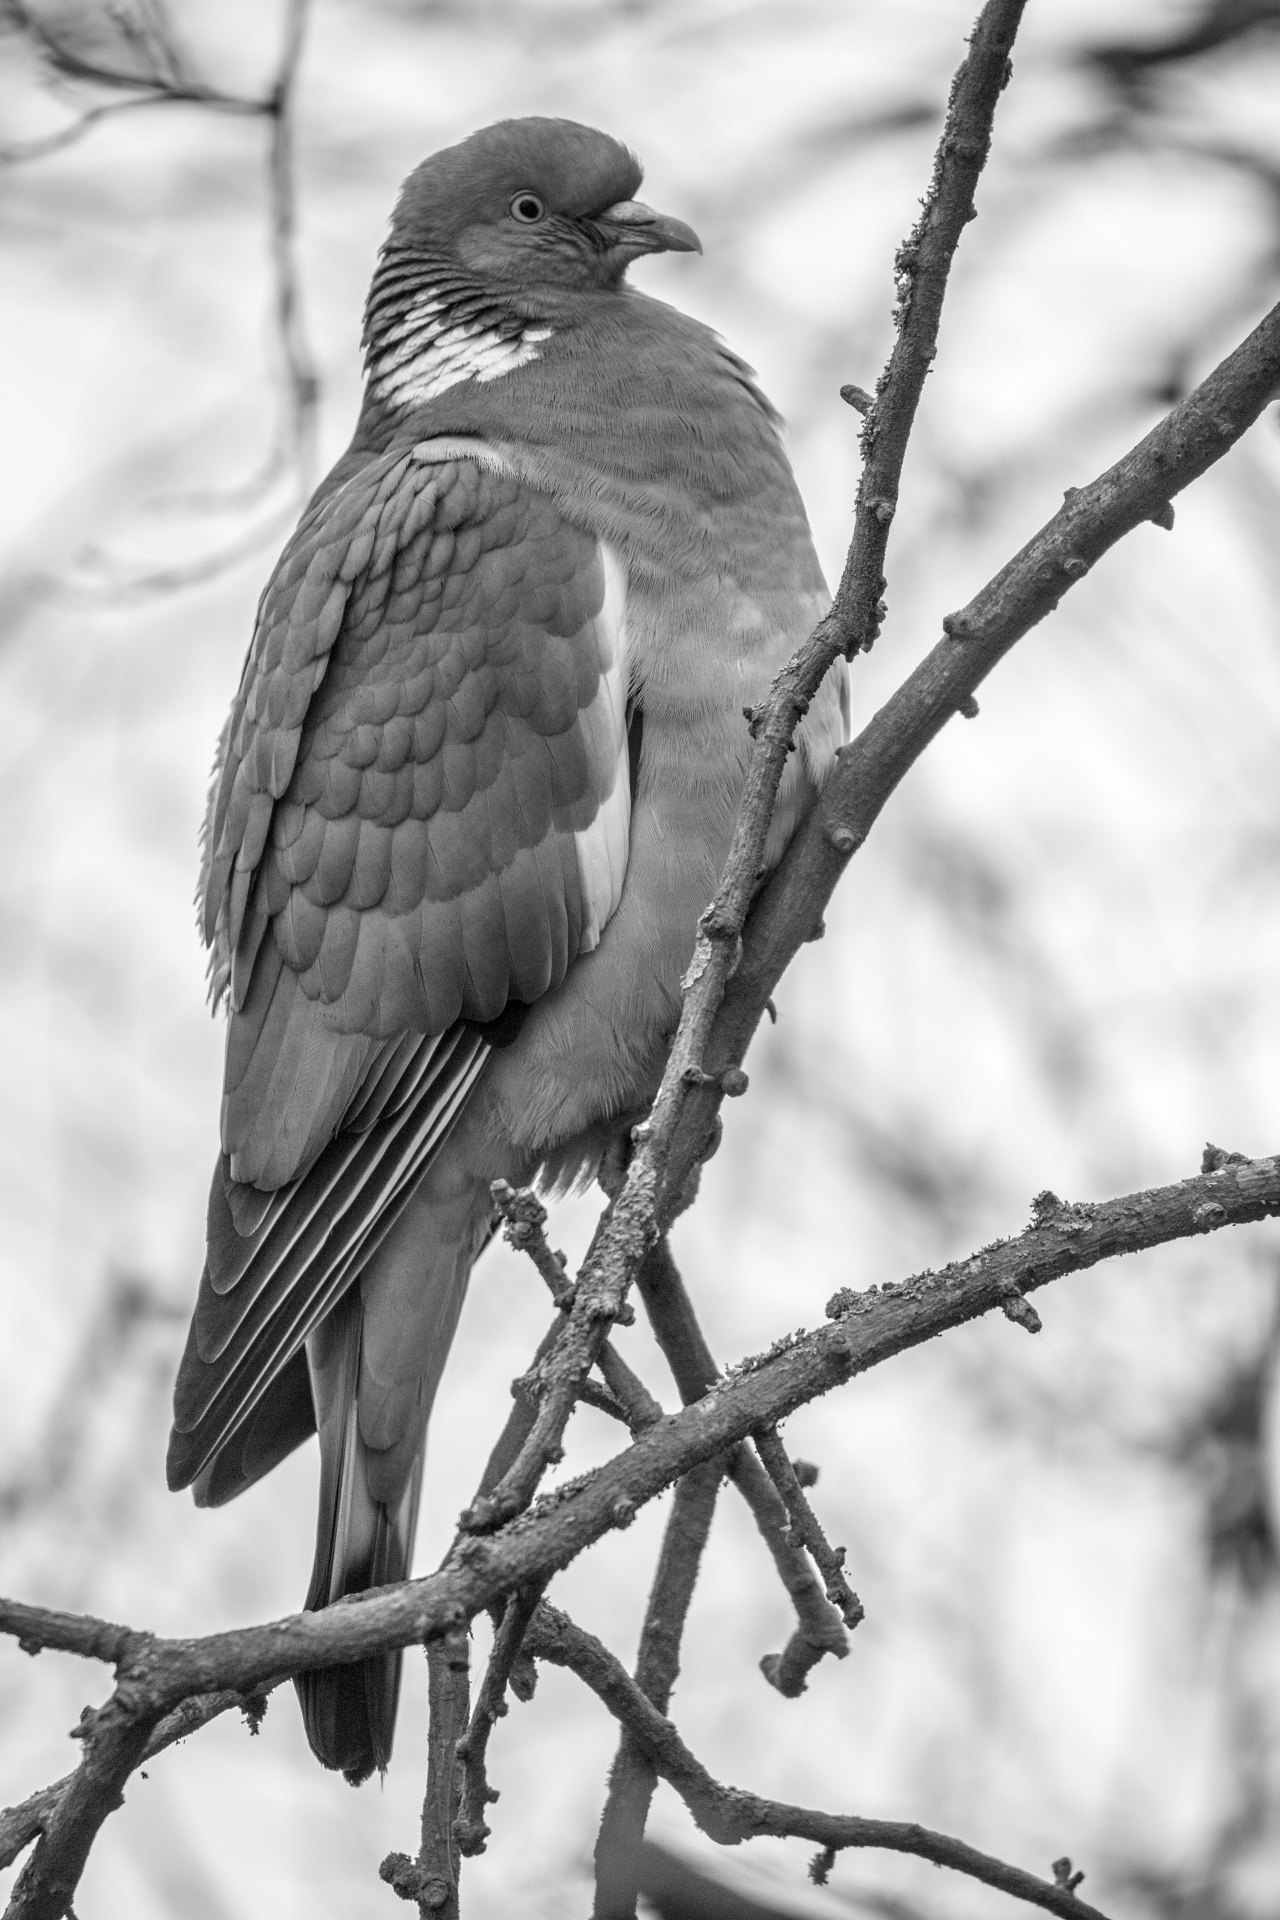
(302, 383)
(729, 1815)
(633, 1779)
(150, 69)
(1128, 64)
(157, 75)
(108, 1345)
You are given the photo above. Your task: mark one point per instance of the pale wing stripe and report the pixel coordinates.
(603, 846)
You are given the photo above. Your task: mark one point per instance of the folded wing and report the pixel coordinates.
(419, 820)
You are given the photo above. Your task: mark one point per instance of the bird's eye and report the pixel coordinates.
(527, 209)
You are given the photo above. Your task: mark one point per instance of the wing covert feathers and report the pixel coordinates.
(422, 805)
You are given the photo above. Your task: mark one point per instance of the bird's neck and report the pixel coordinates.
(428, 326)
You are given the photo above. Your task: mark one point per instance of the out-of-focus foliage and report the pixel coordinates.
(1054, 964)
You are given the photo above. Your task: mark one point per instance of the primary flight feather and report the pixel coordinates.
(475, 788)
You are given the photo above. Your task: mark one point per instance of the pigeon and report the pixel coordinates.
(476, 786)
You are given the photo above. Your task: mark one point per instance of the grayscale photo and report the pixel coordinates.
(640, 959)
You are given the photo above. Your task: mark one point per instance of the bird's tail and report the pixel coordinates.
(375, 1362)
(350, 1712)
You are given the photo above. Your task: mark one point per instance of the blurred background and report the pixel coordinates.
(1055, 964)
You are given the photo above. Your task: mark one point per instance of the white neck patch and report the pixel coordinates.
(423, 356)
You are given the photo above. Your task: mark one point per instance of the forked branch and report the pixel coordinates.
(818, 1630)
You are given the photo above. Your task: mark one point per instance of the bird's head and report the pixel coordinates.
(535, 203)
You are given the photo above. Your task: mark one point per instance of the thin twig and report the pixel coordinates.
(593, 1393)
(632, 1780)
(524, 1224)
(162, 81)
(730, 1815)
(639, 1408)
(524, 1221)
(818, 1629)
(449, 1695)
(675, 1326)
(44, 144)
(471, 1830)
(806, 1528)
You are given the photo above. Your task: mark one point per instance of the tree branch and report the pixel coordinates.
(818, 1631)
(41, 1629)
(115, 1738)
(805, 1527)
(524, 1221)
(471, 1829)
(637, 1404)
(866, 1329)
(22, 1824)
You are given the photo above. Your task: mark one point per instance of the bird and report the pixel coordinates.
(475, 788)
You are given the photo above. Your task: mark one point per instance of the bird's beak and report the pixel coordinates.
(629, 224)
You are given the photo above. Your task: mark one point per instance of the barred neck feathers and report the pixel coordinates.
(428, 327)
